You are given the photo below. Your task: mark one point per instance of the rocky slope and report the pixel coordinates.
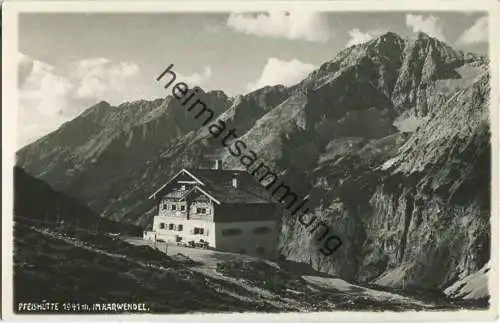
(387, 139)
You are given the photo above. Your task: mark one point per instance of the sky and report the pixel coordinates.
(70, 61)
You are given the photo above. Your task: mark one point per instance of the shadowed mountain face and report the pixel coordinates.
(390, 138)
(37, 204)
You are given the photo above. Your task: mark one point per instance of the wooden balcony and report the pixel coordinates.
(187, 216)
(200, 216)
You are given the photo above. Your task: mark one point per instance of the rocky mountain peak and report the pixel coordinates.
(425, 59)
(97, 109)
(422, 36)
(387, 43)
(218, 94)
(390, 35)
(328, 136)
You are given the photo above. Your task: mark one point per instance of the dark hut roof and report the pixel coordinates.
(218, 183)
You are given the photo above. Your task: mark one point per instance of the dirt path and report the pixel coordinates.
(338, 284)
(208, 269)
(209, 259)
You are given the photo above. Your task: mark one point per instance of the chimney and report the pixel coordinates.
(218, 164)
(235, 180)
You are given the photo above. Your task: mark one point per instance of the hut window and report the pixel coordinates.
(231, 232)
(261, 230)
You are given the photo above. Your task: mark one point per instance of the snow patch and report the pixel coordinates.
(474, 286)
(408, 123)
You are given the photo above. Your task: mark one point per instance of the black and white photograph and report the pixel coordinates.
(300, 157)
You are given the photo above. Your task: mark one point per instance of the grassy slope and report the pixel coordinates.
(68, 265)
(49, 268)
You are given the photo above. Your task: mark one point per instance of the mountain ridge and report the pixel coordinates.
(334, 136)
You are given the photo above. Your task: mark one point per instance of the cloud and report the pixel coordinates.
(430, 25)
(24, 67)
(47, 99)
(358, 37)
(42, 97)
(306, 25)
(102, 78)
(277, 71)
(476, 33)
(197, 79)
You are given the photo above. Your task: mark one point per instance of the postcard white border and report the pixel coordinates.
(10, 12)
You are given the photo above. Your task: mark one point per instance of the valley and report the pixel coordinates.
(390, 141)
